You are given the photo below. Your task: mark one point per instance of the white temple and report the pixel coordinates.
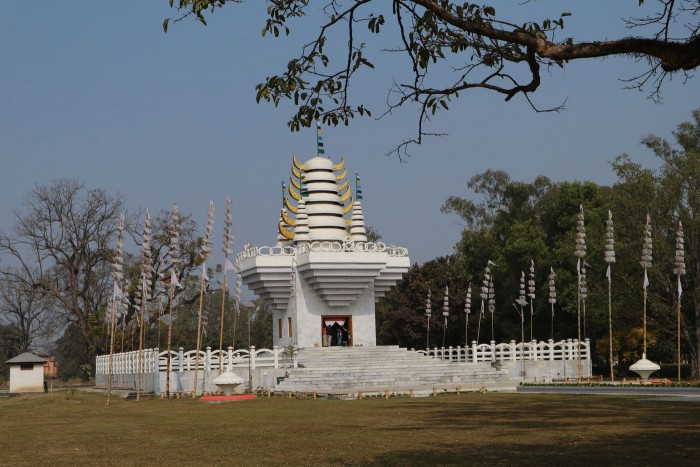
(323, 277)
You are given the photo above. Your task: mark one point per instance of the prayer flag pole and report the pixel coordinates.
(445, 313)
(204, 254)
(174, 255)
(646, 264)
(146, 268)
(610, 259)
(492, 299)
(228, 244)
(580, 253)
(117, 276)
(552, 297)
(428, 313)
(679, 271)
(484, 296)
(522, 302)
(531, 293)
(467, 312)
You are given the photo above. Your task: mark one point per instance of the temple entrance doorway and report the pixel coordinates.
(336, 331)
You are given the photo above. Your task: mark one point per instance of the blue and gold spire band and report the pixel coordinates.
(319, 140)
(304, 189)
(358, 187)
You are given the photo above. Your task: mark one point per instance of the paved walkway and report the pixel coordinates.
(691, 392)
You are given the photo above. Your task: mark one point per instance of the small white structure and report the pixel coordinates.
(644, 368)
(323, 276)
(26, 373)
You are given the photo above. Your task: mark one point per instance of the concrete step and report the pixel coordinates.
(339, 368)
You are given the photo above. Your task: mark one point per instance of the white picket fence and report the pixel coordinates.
(181, 361)
(568, 349)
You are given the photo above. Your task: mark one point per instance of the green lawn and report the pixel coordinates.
(504, 429)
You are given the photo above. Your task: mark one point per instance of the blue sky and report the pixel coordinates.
(97, 91)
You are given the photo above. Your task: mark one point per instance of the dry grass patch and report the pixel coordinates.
(501, 429)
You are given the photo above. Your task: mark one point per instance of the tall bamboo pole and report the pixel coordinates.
(204, 254)
(610, 259)
(117, 275)
(146, 268)
(580, 253)
(531, 294)
(171, 297)
(111, 351)
(492, 298)
(478, 329)
(221, 325)
(174, 255)
(467, 312)
(552, 297)
(445, 314)
(522, 302)
(428, 314)
(678, 329)
(228, 244)
(141, 336)
(679, 270)
(646, 264)
(199, 335)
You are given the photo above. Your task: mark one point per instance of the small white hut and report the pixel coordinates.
(26, 373)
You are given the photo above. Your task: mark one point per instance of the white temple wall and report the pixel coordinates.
(306, 308)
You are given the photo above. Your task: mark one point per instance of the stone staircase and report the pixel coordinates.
(352, 370)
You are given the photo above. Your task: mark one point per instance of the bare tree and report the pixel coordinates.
(61, 242)
(31, 312)
(509, 53)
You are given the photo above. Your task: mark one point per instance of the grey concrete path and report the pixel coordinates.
(693, 392)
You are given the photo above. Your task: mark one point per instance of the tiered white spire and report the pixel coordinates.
(301, 229)
(358, 232)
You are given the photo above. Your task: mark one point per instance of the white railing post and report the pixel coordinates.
(207, 359)
(551, 349)
(493, 351)
(275, 353)
(513, 351)
(230, 358)
(181, 360)
(474, 351)
(449, 355)
(570, 349)
(251, 356)
(535, 350)
(587, 347)
(459, 354)
(156, 372)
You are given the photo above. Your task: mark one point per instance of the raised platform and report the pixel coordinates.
(336, 370)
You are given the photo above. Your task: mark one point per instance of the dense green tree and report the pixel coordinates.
(450, 48)
(668, 194)
(401, 315)
(10, 346)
